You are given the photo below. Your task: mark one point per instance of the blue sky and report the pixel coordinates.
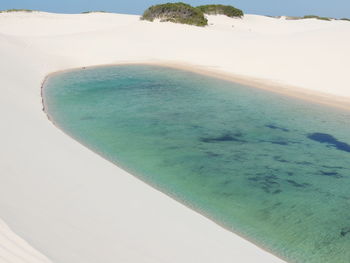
(331, 8)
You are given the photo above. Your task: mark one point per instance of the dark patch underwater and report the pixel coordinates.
(330, 140)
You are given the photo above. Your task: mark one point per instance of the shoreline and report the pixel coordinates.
(304, 95)
(311, 97)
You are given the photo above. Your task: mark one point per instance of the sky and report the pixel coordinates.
(329, 8)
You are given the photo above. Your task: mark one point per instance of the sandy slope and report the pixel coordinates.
(72, 205)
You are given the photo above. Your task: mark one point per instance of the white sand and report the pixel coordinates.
(75, 207)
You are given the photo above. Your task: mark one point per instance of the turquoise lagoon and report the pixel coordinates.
(273, 169)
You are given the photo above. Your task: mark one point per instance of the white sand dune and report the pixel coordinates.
(75, 207)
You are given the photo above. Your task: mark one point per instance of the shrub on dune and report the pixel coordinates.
(227, 10)
(90, 12)
(16, 10)
(177, 13)
(317, 17)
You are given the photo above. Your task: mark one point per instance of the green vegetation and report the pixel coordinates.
(177, 13)
(345, 19)
(227, 10)
(317, 17)
(293, 17)
(187, 14)
(276, 17)
(308, 17)
(89, 12)
(16, 10)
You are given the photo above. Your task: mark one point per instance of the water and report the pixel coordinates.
(273, 169)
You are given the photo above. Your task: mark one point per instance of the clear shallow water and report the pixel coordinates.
(273, 169)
